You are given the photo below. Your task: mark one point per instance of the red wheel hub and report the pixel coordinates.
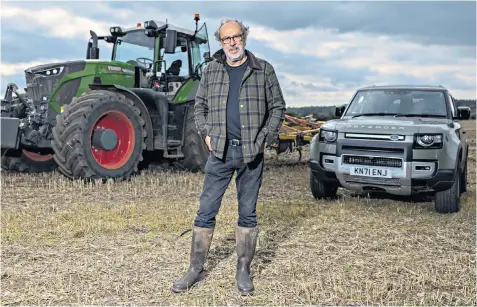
(120, 154)
(36, 156)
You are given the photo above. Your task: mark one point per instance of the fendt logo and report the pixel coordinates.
(119, 69)
(375, 127)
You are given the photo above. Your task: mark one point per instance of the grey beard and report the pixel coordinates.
(237, 58)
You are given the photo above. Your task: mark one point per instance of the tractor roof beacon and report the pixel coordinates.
(400, 140)
(96, 118)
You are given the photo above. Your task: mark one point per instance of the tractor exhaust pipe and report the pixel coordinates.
(93, 50)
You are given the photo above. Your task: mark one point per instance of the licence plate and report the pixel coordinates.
(370, 172)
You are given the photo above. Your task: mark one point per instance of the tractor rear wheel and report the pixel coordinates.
(28, 162)
(194, 150)
(101, 135)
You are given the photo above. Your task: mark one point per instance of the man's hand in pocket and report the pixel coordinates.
(207, 142)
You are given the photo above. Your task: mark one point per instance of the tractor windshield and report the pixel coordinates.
(135, 45)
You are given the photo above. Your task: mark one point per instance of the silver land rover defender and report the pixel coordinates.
(399, 140)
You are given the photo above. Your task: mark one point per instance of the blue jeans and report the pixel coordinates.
(218, 174)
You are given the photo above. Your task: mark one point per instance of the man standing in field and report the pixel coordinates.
(239, 110)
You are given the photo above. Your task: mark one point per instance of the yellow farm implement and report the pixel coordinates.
(295, 133)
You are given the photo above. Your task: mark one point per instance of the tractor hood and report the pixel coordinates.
(56, 68)
(41, 80)
(386, 125)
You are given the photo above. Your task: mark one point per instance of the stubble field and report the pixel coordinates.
(68, 243)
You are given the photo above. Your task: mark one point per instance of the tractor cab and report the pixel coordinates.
(162, 56)
(179, 54)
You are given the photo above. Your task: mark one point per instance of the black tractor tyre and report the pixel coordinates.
(74, 152)
(321, 189)
(448, 201)
(195, 150)
(28, 162)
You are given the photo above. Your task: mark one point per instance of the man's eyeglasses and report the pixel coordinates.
(236, 38)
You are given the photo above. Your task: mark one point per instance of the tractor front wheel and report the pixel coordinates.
(99, 136)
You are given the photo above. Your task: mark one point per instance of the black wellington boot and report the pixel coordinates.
(246, 242)
(201, 239)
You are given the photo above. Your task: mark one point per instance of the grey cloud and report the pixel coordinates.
(312, 66)
(428, 22)
(312, 87)
(20, 47)
(423, 22)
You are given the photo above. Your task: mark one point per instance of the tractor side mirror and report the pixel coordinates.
(170, 41)
(339, 111)
(463, 112)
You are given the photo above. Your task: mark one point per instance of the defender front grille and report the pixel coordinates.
(373, 161)
(373, 149)
(372, 180)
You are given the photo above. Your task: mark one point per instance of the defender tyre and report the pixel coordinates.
(321, 189)
(29, 162)
(463, 183)
(75, 142)
(448, 201)
(195, 150)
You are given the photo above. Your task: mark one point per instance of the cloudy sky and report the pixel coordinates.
(322, 51)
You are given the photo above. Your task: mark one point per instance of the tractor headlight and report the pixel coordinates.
(150, 25)
(51, 71)
(116, 31)
(328, 135)
(428, 141)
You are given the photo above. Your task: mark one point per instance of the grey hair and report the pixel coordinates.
(244, 29)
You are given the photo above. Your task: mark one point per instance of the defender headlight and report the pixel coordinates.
(428, 141)
(328, 135)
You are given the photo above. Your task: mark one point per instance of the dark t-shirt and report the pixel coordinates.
(233, 105)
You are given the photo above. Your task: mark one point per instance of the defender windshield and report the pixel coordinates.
(133, 45)
(398, 102)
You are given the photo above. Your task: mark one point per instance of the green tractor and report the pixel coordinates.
(97, 119)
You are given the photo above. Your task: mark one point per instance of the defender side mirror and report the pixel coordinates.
(170, 43)
(463, 112)
(339, 111)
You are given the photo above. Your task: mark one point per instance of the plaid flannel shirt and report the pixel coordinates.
(262, 106)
